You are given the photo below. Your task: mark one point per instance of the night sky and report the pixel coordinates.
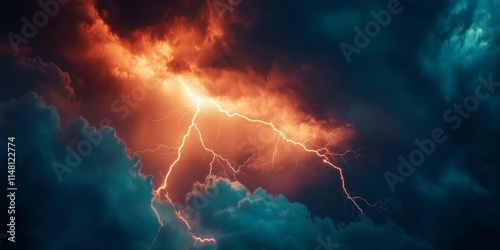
(250, 124)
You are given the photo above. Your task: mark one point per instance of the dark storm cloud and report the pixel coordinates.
(103, 203)
(32, 74)
(43, 27)
(246, 220)
(128, 18)
(64, 41)
(23, 74)
(394, 92)
(405, 100)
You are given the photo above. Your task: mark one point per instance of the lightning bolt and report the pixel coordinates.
(323, 153)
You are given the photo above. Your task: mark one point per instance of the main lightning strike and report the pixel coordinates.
(323, 153)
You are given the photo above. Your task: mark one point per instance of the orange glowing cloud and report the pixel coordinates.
(225, 117)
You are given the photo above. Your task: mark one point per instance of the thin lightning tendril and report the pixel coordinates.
(322, 152)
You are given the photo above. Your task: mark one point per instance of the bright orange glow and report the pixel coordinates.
(323, 153)
(226, 95)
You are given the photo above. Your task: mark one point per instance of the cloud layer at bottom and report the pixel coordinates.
(104, 202)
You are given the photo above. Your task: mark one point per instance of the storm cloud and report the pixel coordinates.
(279, 61)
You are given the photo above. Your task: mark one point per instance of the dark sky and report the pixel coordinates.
(409, 90)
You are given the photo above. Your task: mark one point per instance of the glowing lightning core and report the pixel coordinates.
(324, 153)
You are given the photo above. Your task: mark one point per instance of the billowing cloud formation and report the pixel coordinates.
(127, 18)
(246, 220)
(287, 57)
(465, 39)
(104, 202)
(33, 74)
